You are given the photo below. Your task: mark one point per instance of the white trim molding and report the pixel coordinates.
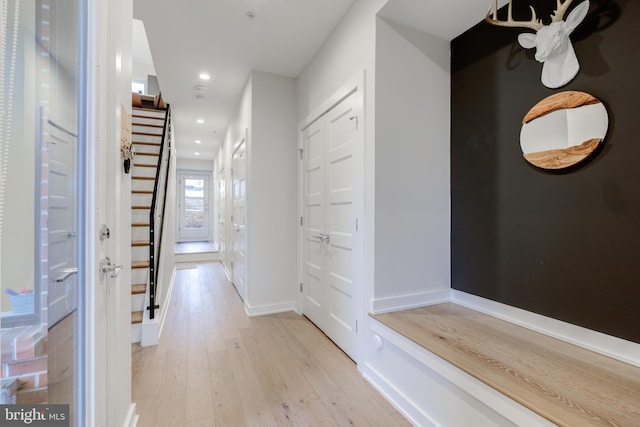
(617, 348)
(132, 417)
(262, 310)
(406, 302)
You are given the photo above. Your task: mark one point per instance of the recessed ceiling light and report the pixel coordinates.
(204, 76)
(251, 15)
(196, 153)
(198, 141)
(200, 121)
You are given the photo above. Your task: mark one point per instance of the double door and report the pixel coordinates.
(331, 196)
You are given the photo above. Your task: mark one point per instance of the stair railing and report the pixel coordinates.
(157, 212)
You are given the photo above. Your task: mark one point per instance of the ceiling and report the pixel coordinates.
(218, 37)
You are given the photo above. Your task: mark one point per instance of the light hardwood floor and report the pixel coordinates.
(214, 366)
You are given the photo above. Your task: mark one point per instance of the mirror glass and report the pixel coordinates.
(563, 130)
(18, 236)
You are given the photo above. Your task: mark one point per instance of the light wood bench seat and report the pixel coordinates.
(566, 384)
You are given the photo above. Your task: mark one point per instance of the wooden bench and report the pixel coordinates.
(563, 383)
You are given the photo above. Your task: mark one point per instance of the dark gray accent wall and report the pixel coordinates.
(565, 245)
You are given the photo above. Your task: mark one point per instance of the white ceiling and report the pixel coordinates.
(216, 36)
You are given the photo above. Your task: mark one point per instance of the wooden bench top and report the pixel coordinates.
(564, 383)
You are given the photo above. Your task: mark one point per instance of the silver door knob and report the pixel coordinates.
(324, 238)
(108, 267)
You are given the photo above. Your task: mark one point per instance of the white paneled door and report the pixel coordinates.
(331, 270)
(239, 218)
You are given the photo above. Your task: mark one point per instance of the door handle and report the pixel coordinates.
(324, 238)
(66, 273)
(106, 267)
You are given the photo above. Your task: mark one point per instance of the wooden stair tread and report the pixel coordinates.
(145, 165)
(139, 264)
(140, 208)
(139, 116)
(136, 317)
(140, 224)
(149, 109)
(138, 288)
(140, 243)
(152, 144)
(142, 153)
(148, 125)
(147, 134)
(141, 191)
(144, 178)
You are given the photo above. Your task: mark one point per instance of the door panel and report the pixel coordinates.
(314, 213)
(331, 293)
(221, 212)
(62, 241)
(340, 224)
(194, 207)
(239, 268)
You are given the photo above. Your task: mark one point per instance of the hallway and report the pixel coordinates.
(214, 366)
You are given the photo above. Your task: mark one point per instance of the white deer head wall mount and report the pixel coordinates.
(552, 43)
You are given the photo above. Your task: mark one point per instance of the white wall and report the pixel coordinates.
(271, 189)
(117, 69)
(239, 127)
(347, 52)
(195, 165)
(412, 168)
(266, 116)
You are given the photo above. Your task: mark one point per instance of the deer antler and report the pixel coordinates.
(561, 10)
(535, 24)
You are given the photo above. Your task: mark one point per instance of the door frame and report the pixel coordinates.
(356, 87)
(182, 173)
(243, 291)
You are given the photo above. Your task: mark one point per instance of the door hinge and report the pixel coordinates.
(300, 287)
(301, 150)
(356, 224)
(232, 265)
(301, 221)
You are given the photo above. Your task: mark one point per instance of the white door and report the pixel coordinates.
(239, 218)
(221, 211)
(332, 168)
(62, 222)
(193, 207)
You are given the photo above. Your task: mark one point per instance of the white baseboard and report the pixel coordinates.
(405, 302)
(263, 310)
(132, 417)
(625, 351)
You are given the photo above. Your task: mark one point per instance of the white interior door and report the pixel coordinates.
(62, 223)
(239, 218)
(221, 211)
(331, 267)
(193, 206)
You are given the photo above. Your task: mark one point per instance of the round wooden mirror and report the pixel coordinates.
(563, 130)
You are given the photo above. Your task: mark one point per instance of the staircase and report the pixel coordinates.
(148, 125)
